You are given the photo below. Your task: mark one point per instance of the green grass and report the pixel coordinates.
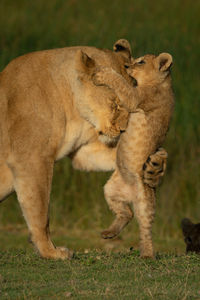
(78, 210)
(98, 275)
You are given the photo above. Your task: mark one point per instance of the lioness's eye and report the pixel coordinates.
(126, 66)
(141, 62)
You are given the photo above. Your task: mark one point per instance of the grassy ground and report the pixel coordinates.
(78, 210)
(99, 275)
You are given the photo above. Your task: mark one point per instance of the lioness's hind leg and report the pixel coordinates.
(32, 183)
(6, 181)
(118, 196)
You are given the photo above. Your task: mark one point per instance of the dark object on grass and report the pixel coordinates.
(191, 234)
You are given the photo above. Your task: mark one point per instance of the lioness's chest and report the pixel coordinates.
(77, 133)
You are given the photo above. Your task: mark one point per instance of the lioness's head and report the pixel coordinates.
(191, 234)
(99, 104)
(150, 69)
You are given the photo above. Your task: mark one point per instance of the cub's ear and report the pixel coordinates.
(164, 62)
(123, 47)
(84, 63)
(186, 226)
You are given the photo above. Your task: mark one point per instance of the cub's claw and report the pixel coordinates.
(154, 168)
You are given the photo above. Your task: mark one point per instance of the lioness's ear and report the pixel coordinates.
(84, 62)
(164, 62)
(186, 226)
(124, 47)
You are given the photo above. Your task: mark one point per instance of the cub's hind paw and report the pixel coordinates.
(147, 257)
(147, 254)
(154, 168)
(109, 234)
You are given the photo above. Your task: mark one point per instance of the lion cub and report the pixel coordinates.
(151, 102)
(191, 233)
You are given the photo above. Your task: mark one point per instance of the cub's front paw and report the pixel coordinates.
(98, 78)
(102, 76)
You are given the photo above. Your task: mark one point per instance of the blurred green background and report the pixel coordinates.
(172, 26)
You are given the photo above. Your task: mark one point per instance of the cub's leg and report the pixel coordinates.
(144, 209)
(134, 147)
(6, 181)
(118, 195)
(32, 182)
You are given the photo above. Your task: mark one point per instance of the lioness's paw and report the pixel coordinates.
(64, 253)
(58, 253)
(154, 168)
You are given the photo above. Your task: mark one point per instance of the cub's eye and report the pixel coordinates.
(126, 66)
(188, 240)
(141, 62)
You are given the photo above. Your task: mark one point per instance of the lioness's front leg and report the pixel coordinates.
(95, 156)
(99, 157)
(32, 182)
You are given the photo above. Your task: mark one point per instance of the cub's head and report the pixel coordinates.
(150, 69)
(191, 234)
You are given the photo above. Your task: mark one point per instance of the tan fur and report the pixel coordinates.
(50, 108)
(151, 103)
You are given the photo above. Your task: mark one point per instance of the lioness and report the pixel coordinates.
(50, 108)
(151, 102)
